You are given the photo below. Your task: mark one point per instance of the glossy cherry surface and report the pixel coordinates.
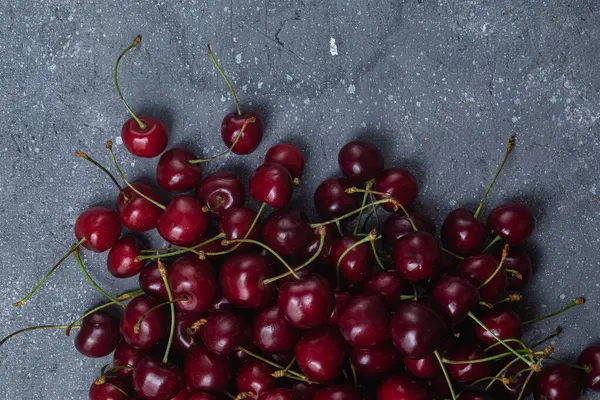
(376, 361)
(145, 142)
(387, 284)
(473, 395)
(272, 333)
(478, 269)
(337, 392)
(364, 321)
(254, 376)
(135, 212)
(517, 260)
(271, 184)
(467, 372)
(278, 394)
(100, 227)
(152, 283)
(357, 263)
(175, 174)
(416, 330)
(397, 225)
(221, 191)
(98, 335)
(398, 183)
(304, 391)
(307, 303)
(559, 382)
(315, 239)
(462, 233)
(223, 332)
(513, 389)
(126, 355)
(236, 223)
(426, 368)
(206, 371)
(121, 260)
(591, 357)
(182, 339)
(112, 389)
(320, 353)
(195, 280)
(402, 387)
(502, 322)
(514, 223)
(360, 161)
(152, 329)
(251, 137)
(155, 380)
(241, 279)
(289, 156)
(183, 222)
(331, 199)
(340, 299)
(417, 256)
(454, 298)
(286, 231)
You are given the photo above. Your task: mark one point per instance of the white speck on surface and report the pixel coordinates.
(390, 97)
(351, 89)
(223, 99)
(259, 84)
(562, 296)
(514, 119)
(52, 68)
(418, 104)
(363, 124)
(289, 78)
(517, 101)
(118, 140)
(333, 47)
(453, 203)
(593, 190)
(238, 58)
(553, 99)
(133, 163)
(245, 88)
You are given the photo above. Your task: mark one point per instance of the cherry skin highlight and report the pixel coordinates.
(121, 260)
(109, 390)
(462, 233)
(331, 199)
(126, 356)
(397, 225)
(454, 298)
(236, 223)
(152, 283)
(152, 329)
(100, 227)
(272, 333)
(402, 387)
(271, 184)
(514, 223)
(357, 264)
(337, 392)
(251, 137)
(154, 380)
(175, 174)
(559, 382)
(254, 376)
(360, 161)
(364, 321)
(517, 260)
(425, 368)
(340, 299)
(478, 269)
(98, 335)
(286, 231)
(220, 192)
(315, 240)
(591, 357)
(241, 279)
(389, 285)
(320, 353)
(147, 142)
(136, 212)
(417, 256)
(194, 279)
(183, 339)
(465, 373)
(183, 222)
(398, 183)
(206, 371)
(416, 330)
(223, 332)
(307, 303)
(376, 361)
(504, 323)
(289, 156)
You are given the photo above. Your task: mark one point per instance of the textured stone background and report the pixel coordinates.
(438, 85)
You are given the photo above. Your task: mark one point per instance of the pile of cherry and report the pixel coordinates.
(277, 308)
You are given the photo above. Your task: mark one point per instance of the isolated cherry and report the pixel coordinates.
(462, 233)
(254, 376)
(360, 161)
(223, 332)
(183, 222)
(364, 321)
(121, 260)
(320, 353)
(126, 356)
(155, 380)
(512, 222)
(100, 227)
(397, 225)
(559, 382)
(136, 212)
(206, 371)
(340, 300)
(502, 322)
(389, 285)
(152, 329)
(272, 332)
(220, 192)
(286, 231)
(417, 256)
(307, 303)
(241, 278)
(467, 372)
(331, 199)
(289, 156)
(517, 260)
(195, 280)
(478, 269)
(398, 183)
(114, 388)
(402, 387)
(357, 263)
(98, 335)
(337, 392)
(454, 298)
(175, 174)
(376, 361)
(152, 283)
(416, 330)
(271, 184)
(251, 137)
(591, 357)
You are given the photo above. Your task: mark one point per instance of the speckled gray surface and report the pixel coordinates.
(438, 85)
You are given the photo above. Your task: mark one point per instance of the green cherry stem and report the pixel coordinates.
(578, 301)
(371, 237)
(482, 360)
(452, 254)
(364, 201)
(506, 367)
(272, 364)
(375, 253)
(488, 280)
(89, 159)
(397, 204)
(163, 274)
(180, 250)
(130, 295)
(135, 43)
(335, 220)
(34, 328)
(556, 333)
(138, 324)
(88, 313)
(445, 372)
(256, 219)
(525, 384)
(490, 244)
(94, 284)
(214, 60)
(250, 120)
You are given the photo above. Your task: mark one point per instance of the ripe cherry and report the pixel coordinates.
(425, 368)
(360, 161)
(331, 199)
(98, 229)
(152, 329)
(320, 353)
(473, 395)
(517, 261)
(254, 376)
(241, 278)
(289, 156)
(357, 263)
(151, 282)
(199, 396)
(236, 223)
(591, 357)
(271, 184)
(155, 380)
(121, 260)
(175, 174)
(376, 361)
(183, 221)
(511, 222)
(399, 184)
(286, 231)
(340, 300)
(278, 394)
(337, 392)
(315, 239)
(389, 285)
(559, 382)
(503, 323)
(454, 298)
(304, 391)
(251, 136)
(397, 225)
(467, 372)
(206, 371)
(364, 321)
(135, 212)
(478, 270)
(462, 233)
(223, 332)
(513, 389)
(272, 332)
(416, 330)
(195, 280)
(126, 356)
(417, 256)
(113, 388)
(402, 387)
(184, 336)
(220, 192)
(307, 303)
(98, 335)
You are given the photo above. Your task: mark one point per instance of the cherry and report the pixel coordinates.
(473, 395)
(402, 387)
(152, 329)
(175, 174)
(478, 270)
(315, 239)
(286, 231)
(156, 380)
(183, 221)
(399, 184)
(151, 282)
(503, 323)
(462, 233)
(416, 330)
(98, 335)
(121, 260)
(426, 368)
(517, 261)
(206, 371)
(397, 225)
(364, 321)
(254, 376)
(98, 229)
(376, 361)
(304, 391)
(417, 256)
(340, 300)
(467, 372)
(307, 303)
(591, 357)
(135, 212)
(223, 332)
(337, 392)
(142, 136)
(289, 156)
(241, 278)
(199, 396)
(331, 199)
(357, 263)
(389, 285)
(278, 394)
(220, 192)
(113, 388)
(272, 332)
(236, 223)
(194, 279)
(513, 389)
(251, 137)
(559, 382)
(454, 298)
(271, 184)
(360, 161)
(511, 222)
(126, 356)
(320, 353)
(184, 337)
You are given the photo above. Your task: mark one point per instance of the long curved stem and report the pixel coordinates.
(371, 237)
(556, 333)
(506, 367)
(88, 313)
(94, 284)
(270, 250)
(364, 201)
(445, 372)
(577, 302)
(351, 213)
(488, 280)
(256, 219)
(33, 328)
(214, 60)
(273, 364)
(181, 249)
(385, 195)
(89, 159)
(250, 120)
(163, 275)
(491, 243)
(525, 385)
(136, 41)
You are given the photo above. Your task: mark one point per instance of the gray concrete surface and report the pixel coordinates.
(438, 85)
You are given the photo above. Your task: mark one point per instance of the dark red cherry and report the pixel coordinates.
(389, 285)
(357, 264)
(307, 303)
(194, 279)
(241, 278)
(277, 394)
(100, 227)
(375, 362)
(155, 380)
(591, 357)
(214, 246)
(152, 283)
(364, 321)
(152, 329)
(98, 335)
(221, 191)
(207, 371)
(272, 332)
(513, 389)
(338, 392)
(126, 356)
(467, 372)
(517, 260)
(271, 184)
(512, 222)
(199, 396)
(146, 142)
(251, 137)
(398, 183)
(254, 376)
(503, 322)
(473, 395)
(462, 233)
(320, 353)
(114, 388)
(397, 225)
(478, 269)
(402, 387)
(315, 240)
(331, 199)
(183, 222)
(454, 298)
(559, 382)
(340, 300)
(425, 368)
(289, 156)
(121, 260)
(417, 256)
(135, 212)
(236, 223)
(304, 391)
(416, 330)
(286, 231)
(360, 161)
(182, 339)
(175, 174)
(223, 332)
